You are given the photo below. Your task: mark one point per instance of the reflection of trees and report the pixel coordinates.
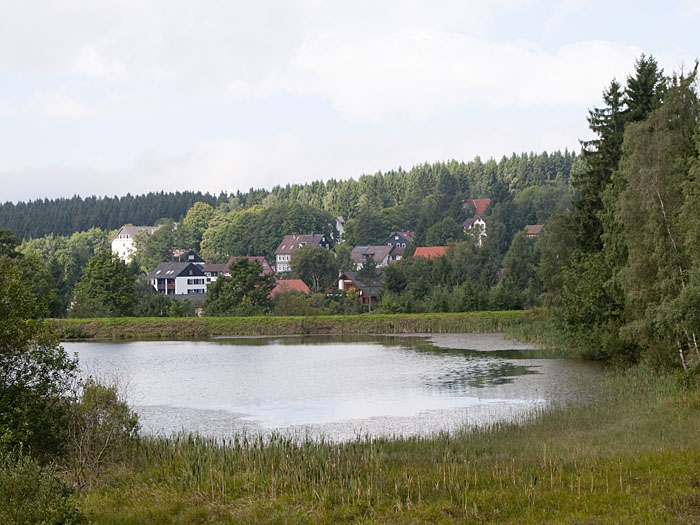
(479, 375)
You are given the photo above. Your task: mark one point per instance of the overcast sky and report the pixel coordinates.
(107, 97)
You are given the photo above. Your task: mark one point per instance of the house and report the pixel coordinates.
(400, 239)
(290, 285)
(381, 255)
(213, 271)
(476, 222)
(175, 278)
(186, 256)
(123, 241)
(291, 243)
(348, 281)
(430, 251)
(533, 230)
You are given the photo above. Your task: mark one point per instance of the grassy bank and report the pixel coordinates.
(207, 327)
(633, 457)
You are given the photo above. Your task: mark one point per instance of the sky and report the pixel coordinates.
(108, 97)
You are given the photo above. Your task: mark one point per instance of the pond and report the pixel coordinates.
(337, 388)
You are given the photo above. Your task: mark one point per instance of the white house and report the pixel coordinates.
(178, 278)
(123, 242)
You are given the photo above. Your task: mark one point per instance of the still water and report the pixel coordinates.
(337, 388)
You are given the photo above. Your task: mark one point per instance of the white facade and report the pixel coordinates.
(282, 263)
(123, 247)
(188, 285)
(123, 242)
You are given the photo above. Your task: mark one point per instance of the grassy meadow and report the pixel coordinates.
(632, 457)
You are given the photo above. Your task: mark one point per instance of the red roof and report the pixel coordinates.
(533, 230)
(289, 285)
(430, 251)
(479, 205)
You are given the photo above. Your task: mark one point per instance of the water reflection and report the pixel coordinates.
(336, 387)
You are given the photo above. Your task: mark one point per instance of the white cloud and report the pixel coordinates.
(369, 60)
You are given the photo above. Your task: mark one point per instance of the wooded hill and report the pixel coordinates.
(346, 197)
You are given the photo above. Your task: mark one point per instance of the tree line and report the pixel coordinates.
(398, 192)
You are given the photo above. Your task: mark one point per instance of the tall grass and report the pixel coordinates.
(633, 457)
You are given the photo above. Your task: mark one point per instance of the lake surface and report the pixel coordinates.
(335, 387)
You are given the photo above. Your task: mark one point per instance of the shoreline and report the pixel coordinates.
(201, 328)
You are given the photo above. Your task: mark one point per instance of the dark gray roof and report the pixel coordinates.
(132, 231)
(170, 270)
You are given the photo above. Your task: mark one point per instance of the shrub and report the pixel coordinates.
(30, 494)
(100, 429)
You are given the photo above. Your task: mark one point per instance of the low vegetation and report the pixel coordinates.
(207, 327)
(632, 457)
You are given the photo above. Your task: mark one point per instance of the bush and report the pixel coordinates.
(30, 494)
(100, 429)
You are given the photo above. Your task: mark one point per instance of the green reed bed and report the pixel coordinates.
(633, 457)
(207, 327)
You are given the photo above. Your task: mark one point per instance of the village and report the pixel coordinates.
(186, 275)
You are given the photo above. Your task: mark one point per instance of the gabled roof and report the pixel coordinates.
(292, 242)
(430, 251)
(378, 253)
(289, 285)
(471, 221)
(267, 269)
(406, 234)
(479, 205)
(132, 231)
(533, 229)
(171, 270)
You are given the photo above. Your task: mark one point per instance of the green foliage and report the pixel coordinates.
(446, 231)
(153, 249)
(66, 258)
(246, 292)
(32, 494)
(35, 371)
(521, 286)
(100, 429)
(8, 243)
(314, 265)
(342, 252)
(106, 289)
(259, 230)
(456, 282)
(193, 226)
(64, 216)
